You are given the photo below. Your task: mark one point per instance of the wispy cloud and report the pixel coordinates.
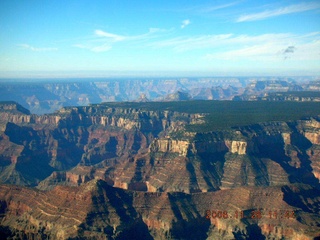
(181, 44)
(219, 41)
(213, 8)
(273, 48)
(103, 41)
(36, 49)
(100, 48)
(248, 47)
(185, 23)
(302, 7)
(256, 52)
(110, 36)
(208, 8)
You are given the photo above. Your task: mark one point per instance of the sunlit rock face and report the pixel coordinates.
(97, 211)
(144, 150)
(238, 147)
(170, 145)
(103, 172)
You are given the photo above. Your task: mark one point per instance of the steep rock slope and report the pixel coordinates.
(48, 95)
(34, 146)
(96, 210)
(149, 150)
(119, 172)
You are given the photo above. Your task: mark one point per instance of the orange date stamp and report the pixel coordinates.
(255, 214)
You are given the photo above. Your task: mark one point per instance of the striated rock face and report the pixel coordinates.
(13, 107)
(98, 211)
(48, 96)
(106, 172)
(149, 150)
(170, 145)
(238, 147)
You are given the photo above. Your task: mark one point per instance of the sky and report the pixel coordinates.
(101, 37)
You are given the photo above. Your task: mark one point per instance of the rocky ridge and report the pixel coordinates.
(42, 96)
(144, 150)
(96, 210)
(111, 172)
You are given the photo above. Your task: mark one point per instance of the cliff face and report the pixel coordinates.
(123, 173)
(35, 146)
(50, 95)
(151, 151)
(98, 211)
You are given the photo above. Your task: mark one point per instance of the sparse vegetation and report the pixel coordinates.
(305, 94)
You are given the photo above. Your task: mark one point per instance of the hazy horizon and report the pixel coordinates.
(104, 76)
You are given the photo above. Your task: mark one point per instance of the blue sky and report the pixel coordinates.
(83, 38)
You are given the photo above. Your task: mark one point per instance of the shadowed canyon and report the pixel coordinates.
(132, 171)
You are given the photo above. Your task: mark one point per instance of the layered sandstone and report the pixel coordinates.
(122, 173)
(96, 210)
(149, 150)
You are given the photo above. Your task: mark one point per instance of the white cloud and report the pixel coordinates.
(280, 11)
(100, 48)
(218, 7)
(181, 44)
(248, 47)
(307, 51)
(185, 23)
(103, 41)
(209, 8)
(111, 36)
(36, 49)
(256, 52)
(271, 47)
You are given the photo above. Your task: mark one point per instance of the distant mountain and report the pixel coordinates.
(177, 96)
(303, 96)
(142, 98)
(47, 96)
(215, 93)
(272, 90)
(312, 86)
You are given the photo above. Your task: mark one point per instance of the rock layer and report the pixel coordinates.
(97, 211)
(151, 150)
(104, 172)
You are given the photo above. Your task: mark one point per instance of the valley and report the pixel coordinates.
(150, 155)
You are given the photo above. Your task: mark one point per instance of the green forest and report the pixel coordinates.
(226, 114)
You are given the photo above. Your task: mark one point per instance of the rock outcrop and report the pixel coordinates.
(120, 172)
(149, 150)
(97, 211)
(42, 96)
(48, 95)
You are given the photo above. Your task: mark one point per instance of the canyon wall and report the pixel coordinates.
(97, 211)
(152, 150)
(42, 96)
(104, 172)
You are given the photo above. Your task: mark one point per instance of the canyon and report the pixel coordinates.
(97, 211)
(42, 96)
(106, 170)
